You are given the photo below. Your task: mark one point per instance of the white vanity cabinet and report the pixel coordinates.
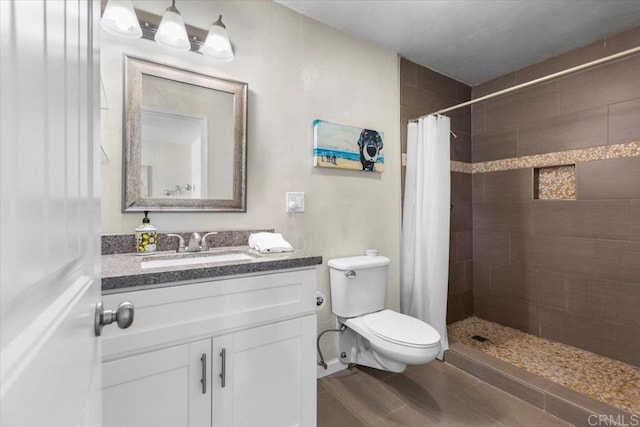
(257, 335)
(266, 380)
(162, 388)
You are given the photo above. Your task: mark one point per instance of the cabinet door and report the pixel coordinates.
(269, 376)
(160, 388)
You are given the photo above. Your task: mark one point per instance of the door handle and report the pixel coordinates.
(123, 316)
(203, 380)
(223, 374)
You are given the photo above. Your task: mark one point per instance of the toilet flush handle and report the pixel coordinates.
(350, 274)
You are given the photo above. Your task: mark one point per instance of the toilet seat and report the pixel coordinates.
(401, 329)
(393, 340)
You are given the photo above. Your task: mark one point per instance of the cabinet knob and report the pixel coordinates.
(123, 316)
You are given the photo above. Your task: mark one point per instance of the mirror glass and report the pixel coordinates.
(184, 140)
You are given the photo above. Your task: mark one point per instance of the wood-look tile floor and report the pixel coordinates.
(435, 394)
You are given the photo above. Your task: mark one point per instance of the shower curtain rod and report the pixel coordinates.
(536, 81)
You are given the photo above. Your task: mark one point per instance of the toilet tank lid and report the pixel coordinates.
(358, 262)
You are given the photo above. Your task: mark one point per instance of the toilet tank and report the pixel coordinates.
(358, 284)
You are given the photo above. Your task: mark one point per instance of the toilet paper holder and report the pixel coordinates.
(321, 300)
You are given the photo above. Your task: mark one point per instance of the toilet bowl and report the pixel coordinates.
(374, 336)
(397, 336)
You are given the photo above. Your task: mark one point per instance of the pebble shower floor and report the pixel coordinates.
(598, 377)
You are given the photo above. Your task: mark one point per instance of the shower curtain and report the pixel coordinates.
(425, 224)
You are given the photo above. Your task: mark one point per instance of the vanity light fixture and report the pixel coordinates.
(120, 19)
(217, 44)
(171, 32)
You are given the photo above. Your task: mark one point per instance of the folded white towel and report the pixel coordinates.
(269, 242)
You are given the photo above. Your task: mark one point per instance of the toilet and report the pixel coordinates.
(375, 336)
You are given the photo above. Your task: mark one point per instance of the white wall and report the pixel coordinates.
(298, 70)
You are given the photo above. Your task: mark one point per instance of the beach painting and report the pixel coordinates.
(347, 147)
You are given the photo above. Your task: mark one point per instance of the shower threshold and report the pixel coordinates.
(570, 383)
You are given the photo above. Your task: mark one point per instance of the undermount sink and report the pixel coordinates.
(192, 259)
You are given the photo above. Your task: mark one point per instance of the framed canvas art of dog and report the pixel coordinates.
(347, 147)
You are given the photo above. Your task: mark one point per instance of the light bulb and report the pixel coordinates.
(217, 44)
(120, 19)
(171, 32)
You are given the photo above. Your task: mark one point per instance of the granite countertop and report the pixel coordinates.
(123, 272)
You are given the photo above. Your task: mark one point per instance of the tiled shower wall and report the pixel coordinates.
(424, 91)
(567, 270)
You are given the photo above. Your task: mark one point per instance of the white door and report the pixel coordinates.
(169, 387)
(50, 205)
(266, 376)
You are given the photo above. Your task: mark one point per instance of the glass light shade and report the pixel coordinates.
(171, 32)
(217, 44)
(120, 19)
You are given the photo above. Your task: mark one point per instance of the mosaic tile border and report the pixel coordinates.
(461, 167)
(614, 151)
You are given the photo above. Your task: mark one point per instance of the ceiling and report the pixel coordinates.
(475, 41)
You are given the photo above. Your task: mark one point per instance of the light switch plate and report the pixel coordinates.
(295, 201)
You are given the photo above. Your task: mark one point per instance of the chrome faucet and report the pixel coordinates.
(194, 242)
(204, 245)
(181, 247)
